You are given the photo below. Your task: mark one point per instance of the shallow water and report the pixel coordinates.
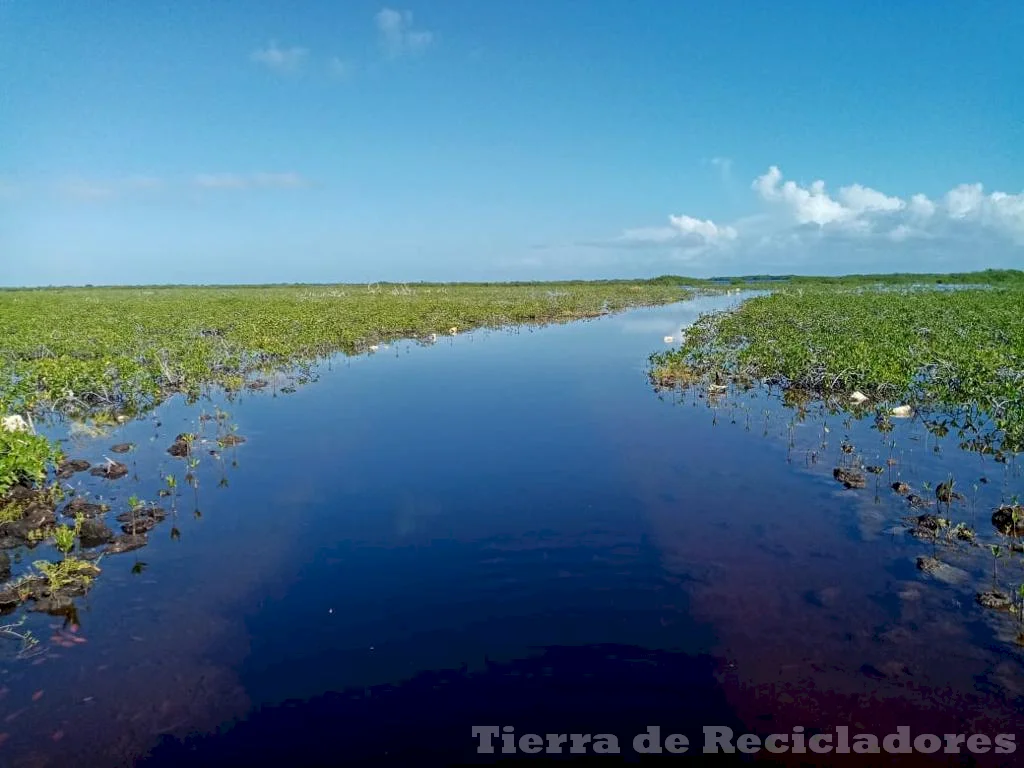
(512, 528)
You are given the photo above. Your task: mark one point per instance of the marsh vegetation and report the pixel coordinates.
(99, 357)
(947, 360)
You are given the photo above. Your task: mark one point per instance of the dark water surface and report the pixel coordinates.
(511, 528)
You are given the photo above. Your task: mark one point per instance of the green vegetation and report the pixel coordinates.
(105, 351)
(123, 348)
(71, 572)
(959, 350)
(24, 457)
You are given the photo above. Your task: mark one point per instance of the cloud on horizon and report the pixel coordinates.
(802, 219)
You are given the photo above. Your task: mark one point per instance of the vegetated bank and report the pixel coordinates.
(109, 354)
(959, 349)
(121, 350)
(884, 349)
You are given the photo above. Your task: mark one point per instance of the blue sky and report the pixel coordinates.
(262, 141)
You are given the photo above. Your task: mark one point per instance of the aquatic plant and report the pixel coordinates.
(997, 552)
(64, 537)
(69, 572)
(961, 351)
(24, 458)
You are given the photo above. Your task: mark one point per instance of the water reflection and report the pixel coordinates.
(509, 523)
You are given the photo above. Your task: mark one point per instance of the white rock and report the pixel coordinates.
(858, 397)
(14, 423)
(902, 412)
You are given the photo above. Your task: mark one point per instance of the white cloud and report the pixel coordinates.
(701, 229)
(999, 210)
(920, 207)
(279, 59)
(808, 205)
(859, 199)
(804, 222)
(397, 35)
(964, 200)
(250, 180)
(687, 236)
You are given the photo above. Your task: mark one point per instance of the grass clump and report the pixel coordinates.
(71, 572)
(961, 349)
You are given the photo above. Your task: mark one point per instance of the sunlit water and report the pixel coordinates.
(512, 528)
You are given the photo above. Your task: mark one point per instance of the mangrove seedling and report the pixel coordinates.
(997, 552)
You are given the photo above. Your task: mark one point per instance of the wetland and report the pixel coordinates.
(278, 521)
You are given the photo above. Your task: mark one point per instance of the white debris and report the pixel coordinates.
(902, 412)
(858, 397)
(14, 423)
(453, 330)
(669, 339)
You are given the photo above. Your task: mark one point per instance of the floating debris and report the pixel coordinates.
(858, 397)
(902, 412)
(14, 423)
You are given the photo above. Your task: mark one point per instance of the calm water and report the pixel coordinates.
(512, 528)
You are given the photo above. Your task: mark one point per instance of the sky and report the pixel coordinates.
(352, 141)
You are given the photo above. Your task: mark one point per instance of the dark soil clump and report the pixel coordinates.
(126, 543)
(1009, 519)
(79, 506)
(112, 470)
(849, 478)
(67, 468)
(95, 533)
